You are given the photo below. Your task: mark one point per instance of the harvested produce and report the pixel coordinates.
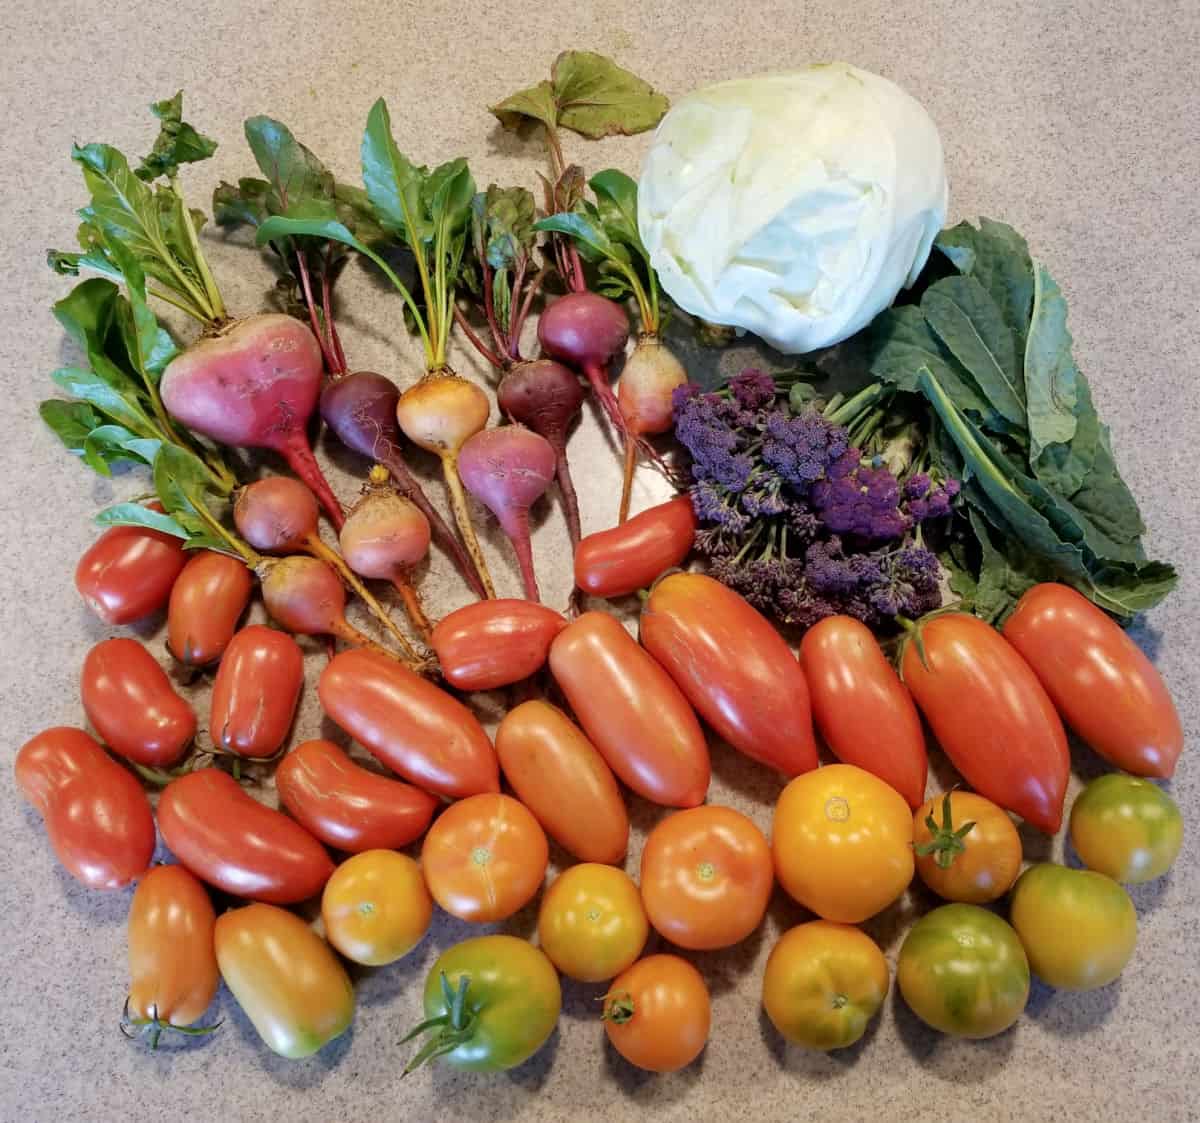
(1126, 828)
(255, 693)
(375, 907)
(966, 847)
(621, 560)
(207, 601)
(657, 1014)
(128, 573)
(494, 643)
(592, 924)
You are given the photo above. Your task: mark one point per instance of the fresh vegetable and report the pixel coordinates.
(494, 643)
(97, 817)
(561, 777)
(1009, 745)
(591, 923)
(485, 857)
(621, 560)
(657, 1013)
(1106, 689)
(864, 713)
(375, 907)
(128, 573)
(962, 970)
(1079, 928)
(207, 601)
(132, 705)
(823, 983)
(706, 877)
(255, 693)
(230, 840)
(417, 730)
(966, 847)
(734, 667)
(842, 843)
(631, 711)
(283, 975)
(345, 805)
(1126, 828)
(490, 1004)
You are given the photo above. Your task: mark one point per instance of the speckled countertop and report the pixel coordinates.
(1075, 121)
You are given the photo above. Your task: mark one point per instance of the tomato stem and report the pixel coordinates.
(946, 843)
(154, 1027)
(618, 1008)
(454, 1027)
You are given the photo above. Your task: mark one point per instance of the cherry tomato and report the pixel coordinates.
(592, 923)
(861, 707)
(706, 877)
(255, 692)
(625, 558)
(485, 857)
(842, 841)
(127, 573)
(1125, 828)
(1098, 678)
(657, 1014)
(991, 715)
(96, 814)
(558, 774)
(132, 705)
(966, 847)
(410, 725)
(232, 841)
(376, 907)
(631, 711)
(823, 983)
(207, 601)
(346, 806)
(283, 975)
(493, 643)
(734, 667)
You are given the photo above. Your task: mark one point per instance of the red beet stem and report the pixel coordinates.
(295, 450)
(517, 528)
(566, 487)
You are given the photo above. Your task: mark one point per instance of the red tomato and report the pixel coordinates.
(346, 806)
(625, 558)
(862, 709)
(127, 573)
(991, 715)
(631, 711)
(493, 643)
(232, 841)
(410, 725)
(734, 668)
(207, 601)
(96, 814)
(132, 705)
(255, 692)
(1099, 679)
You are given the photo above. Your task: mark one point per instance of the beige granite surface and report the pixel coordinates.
(1077, 121)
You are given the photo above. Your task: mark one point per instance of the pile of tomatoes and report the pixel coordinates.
(845, 842)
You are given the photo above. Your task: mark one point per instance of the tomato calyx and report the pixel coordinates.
(946, 842)
(911, 632)
(153, 1027)
(618, 1008)
(454, 1027)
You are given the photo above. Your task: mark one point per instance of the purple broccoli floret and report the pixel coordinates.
(753, 389)
(865, 503)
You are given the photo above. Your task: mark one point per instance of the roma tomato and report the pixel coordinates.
(132, 705)
(706, 877)
(494, 643)
(96, 814)
(991, 715)
(823, 983)
(966, 847)
(127, 573)
(485, 858)
(410, 725)
(255, 692)
(490, 1004)
(1125, 828)
(734, 667)
(657, 1014)
(1079, 928)
(558, 774)
(842, 842)
(232, 841)
(631, 711)
(861, 707)
(283, 975)
(1098, 678)
(346, 806)
(172, 961)
(963, 971)
(592, 923)
(376, 907)
(625, 558)
(207, 601)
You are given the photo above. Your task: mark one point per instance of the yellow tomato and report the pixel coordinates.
(823, 983)
(972, 853)
(376, 907)
(842, 843)
(592, 924)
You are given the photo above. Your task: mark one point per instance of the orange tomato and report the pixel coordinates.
(376, 907)
(657, 1014)
(975, 866)
(592, 923)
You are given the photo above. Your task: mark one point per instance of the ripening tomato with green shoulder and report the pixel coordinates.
(658, 1013)
(967, 849)
(376, 907)
(592, 923)
(1126, 828)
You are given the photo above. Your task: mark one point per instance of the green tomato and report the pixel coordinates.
(1079, 928)
(490, 1004)
(1126, 828)
(962, 970)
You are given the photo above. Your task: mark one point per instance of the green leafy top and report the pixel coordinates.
(177, 142)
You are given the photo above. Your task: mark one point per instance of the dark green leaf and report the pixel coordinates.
(998, 258)
(284, 226)
(110, 444)
(1064, 467)
(135, 514)
(148, 344)
(598, 98)
(534, 104)
(505, 216)
(1129, 589)
(588, 234)
(68, 264)
(1105, 499)
(87, 312)
(110, 391)
(392, 182)
(71, 421)
(355, 212)
(292, 170)
(241, 205)
(177, 142)
(616, 202)
(446, 195)
(1050, 372)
